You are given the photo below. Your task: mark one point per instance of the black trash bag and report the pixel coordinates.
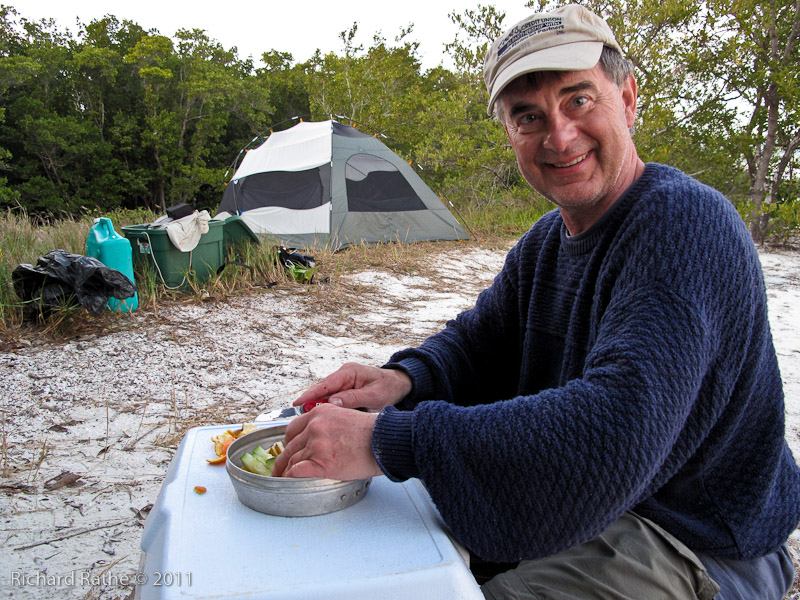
(290, 256)
(60, 277)
(300, 266)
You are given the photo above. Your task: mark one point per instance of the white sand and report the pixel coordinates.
(112, 409)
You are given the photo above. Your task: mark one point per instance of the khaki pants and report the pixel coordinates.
(634, 559)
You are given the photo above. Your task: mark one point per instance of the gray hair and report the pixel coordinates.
(616, 67)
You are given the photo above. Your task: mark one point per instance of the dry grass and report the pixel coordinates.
(262, 275)
(23, 239)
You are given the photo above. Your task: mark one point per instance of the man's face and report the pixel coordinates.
(572, 136)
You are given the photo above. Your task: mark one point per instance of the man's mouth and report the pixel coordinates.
(570, 163)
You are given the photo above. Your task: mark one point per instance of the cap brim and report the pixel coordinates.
(577, 56)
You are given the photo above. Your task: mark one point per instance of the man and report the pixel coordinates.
(609, 417)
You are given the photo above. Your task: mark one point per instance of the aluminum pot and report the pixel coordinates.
(286, 496)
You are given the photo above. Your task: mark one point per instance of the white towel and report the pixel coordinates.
(185, 233)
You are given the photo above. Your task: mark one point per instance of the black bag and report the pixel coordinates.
(60, 277)
(179, 211)
(301, 267)
(289, 257)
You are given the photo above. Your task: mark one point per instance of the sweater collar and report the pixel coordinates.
(586, 240)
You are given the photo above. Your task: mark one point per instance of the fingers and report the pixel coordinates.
(375, 388)
(279, 468)
(342, 379)
(292, 443)
(305, 468)
(351, 398)
(301, 462)
(360, 386)
(287, 461)
(329, 442)
(296, 466)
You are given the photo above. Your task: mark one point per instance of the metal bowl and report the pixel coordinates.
(287, 496)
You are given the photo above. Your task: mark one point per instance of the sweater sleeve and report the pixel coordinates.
(451, 366)
(538, 474)
(670, 385)
(451, 371)
(455, 369)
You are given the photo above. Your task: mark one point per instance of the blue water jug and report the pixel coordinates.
(114, 251)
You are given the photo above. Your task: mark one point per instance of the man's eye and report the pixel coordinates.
(526, 119)
(580, 100)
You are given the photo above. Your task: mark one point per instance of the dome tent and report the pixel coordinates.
(328, 184)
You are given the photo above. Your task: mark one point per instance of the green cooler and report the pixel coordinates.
(173, 267)
(236, 233)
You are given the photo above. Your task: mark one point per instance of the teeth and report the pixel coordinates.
(569, 164)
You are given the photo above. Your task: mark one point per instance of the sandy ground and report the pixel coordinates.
(90, 426)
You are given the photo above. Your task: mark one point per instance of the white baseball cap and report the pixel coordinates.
(570, 38)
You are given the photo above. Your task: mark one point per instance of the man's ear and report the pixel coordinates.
(629, 97)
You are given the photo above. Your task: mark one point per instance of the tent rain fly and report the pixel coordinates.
(328, 184)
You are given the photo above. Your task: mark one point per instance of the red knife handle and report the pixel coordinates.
(307, 406)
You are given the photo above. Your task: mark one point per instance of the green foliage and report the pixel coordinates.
(464, 149)
(116, 117)
(719, 93)
(509, 216)
(287, 92)
(379, 90)
(186, 112)
(782, 219)
(8, 195)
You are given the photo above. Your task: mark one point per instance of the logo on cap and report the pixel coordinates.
(522, 32)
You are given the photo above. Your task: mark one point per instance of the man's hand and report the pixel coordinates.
(360, 386)
(330, 442)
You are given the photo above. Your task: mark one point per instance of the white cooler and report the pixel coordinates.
(391, 544)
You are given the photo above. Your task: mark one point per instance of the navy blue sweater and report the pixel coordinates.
(630, 367)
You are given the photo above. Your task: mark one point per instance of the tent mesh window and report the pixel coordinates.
(375, 185)
(288, 189)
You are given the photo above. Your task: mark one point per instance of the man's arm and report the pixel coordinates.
(331, 441)
(532, 475)
(360, 386)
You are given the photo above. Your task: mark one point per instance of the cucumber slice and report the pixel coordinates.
(253, 465)
(260, 454)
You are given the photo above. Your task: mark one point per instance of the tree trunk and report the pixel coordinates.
(758, 187)
(160, 191)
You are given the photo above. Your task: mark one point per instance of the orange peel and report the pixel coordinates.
(224, 440)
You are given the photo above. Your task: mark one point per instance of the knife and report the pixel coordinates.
(288, 413)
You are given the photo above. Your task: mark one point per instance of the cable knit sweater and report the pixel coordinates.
(628, 367)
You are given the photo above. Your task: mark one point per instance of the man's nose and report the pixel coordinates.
(561, 132)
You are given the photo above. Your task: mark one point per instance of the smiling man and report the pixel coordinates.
(570, 132)
(608, 420)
